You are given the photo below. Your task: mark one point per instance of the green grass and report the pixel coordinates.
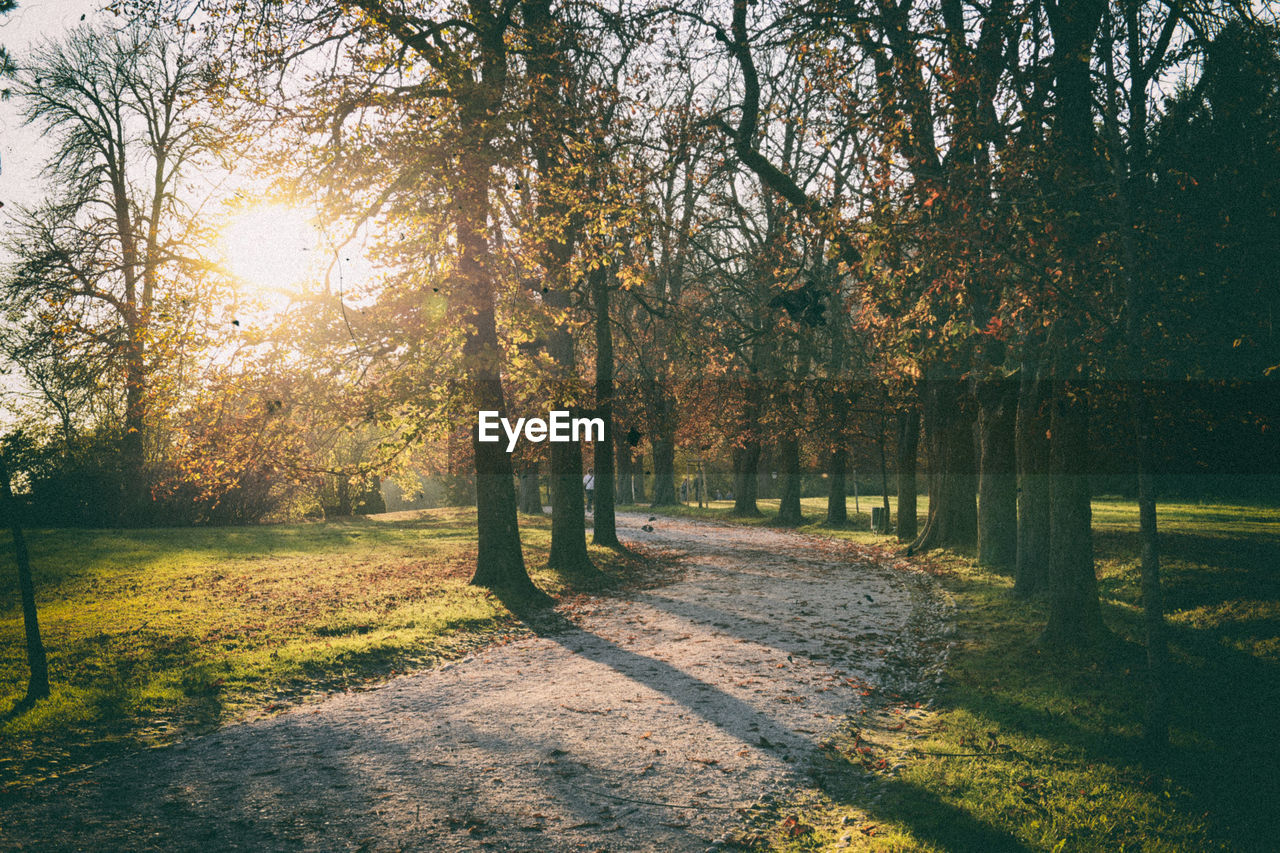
(156, 633)
(858, 527)
(152, 634)
(1070, 772)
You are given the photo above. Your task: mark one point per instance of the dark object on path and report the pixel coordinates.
(647, 528)
(653, 518)
(868, 598)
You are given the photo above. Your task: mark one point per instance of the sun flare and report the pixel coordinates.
(270, 248)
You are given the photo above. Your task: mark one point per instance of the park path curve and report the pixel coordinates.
(646, 722)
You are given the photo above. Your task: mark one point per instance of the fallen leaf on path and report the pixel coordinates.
(794, 827)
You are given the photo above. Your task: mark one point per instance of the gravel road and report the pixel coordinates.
(643, 722)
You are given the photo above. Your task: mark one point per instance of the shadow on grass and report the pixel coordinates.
(1225, 758)
(922, 812)
(1226, 677)
(240, 809)
(19, 707)
(1225, 750)
(925, 813)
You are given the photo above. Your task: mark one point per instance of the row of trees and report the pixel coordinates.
(744, 229)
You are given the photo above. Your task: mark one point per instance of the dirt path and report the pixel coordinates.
(645, 724)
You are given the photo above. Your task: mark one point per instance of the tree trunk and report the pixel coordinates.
(746, 465)
(1031, 437)
(664, 471)
(568, 505)
(1156, 730)
(789, 512)
(908, 450)
(37, 663)
(884, 468)
(622, 473)
(568, 510)
(604, 519)
(637, 468)
(1075, 618)
(837, 507)
(662, 430)
(997, 475)
(530, 491)
(133, 449)
(343, 485)
(767, 472)
(746, 457)
(838, 398)
(953, 509)
(605, 525)
(499, 556)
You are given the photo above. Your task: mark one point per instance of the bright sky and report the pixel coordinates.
(264, 246)
(21, 148)
(272, 248)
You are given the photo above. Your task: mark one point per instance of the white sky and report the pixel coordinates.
(23, 151)
(21, 148)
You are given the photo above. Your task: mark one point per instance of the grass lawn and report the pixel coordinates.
(1044, 753)
(152, 634)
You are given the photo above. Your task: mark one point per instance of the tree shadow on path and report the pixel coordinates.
(928, 817)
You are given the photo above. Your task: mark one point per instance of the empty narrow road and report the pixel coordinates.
(642, 722)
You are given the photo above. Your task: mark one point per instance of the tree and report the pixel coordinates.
(657, 331)
(411, 125)
(1232, 109)
(1075, 618)
(558, 227)
(952, 184)
(110, 272)
(37, 664)
(604, 527)
(899, 85)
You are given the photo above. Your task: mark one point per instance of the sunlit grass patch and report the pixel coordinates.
(155, 633)
(814, 511)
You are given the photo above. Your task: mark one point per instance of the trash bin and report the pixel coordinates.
(879, 519)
